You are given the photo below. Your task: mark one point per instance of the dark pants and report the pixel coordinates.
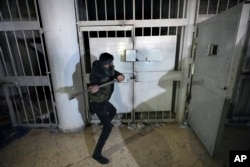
(105, 112)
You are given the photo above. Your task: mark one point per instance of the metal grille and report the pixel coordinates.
(24, 71)
(209, 8)
(130, 9)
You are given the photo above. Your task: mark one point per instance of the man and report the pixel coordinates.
(102, 72)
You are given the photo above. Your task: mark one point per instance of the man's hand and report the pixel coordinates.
(120, 78)
(94, 88)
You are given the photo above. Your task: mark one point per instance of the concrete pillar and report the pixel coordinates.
(59, 27)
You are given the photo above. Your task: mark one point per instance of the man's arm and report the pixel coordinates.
(119, 76)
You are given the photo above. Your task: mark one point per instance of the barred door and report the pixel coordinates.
(24, 73)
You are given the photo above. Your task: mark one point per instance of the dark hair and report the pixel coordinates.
(106, 58)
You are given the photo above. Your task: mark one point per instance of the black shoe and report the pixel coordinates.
(101, 159)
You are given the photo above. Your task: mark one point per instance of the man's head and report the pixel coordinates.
(106, 60)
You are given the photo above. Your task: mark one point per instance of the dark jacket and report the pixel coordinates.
(100, 75)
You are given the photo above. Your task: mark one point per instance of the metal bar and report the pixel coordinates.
(169, 8)
(96, 11)
(19, 25)
(19, 53)
(105, 6)
(86, 8)
(208, 3)
(24, 109)
(28, 54)
(11, 56)
(115, 8)
(28, 9)
(1, 16)
(38, 102)
(8, 6)
(152, 9)
(31, 104)
(142, 9)
(18, 8)
(16, 109)
(133, 9)
(106, 28)
(47, 106)
(37, 18)
(124, 10)
(227, 4)
(217, 8)
(136, 23)
(44, 56)
(160, 9)
(178, 9)
(10, 105)
(38, 62)
(4, 62)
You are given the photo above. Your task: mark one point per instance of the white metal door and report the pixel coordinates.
(153, 87)
(123, 94)
(148, 85)
(219, 49)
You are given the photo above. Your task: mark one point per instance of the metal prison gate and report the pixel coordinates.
(25, 86)
(24, 73)
(149, 18)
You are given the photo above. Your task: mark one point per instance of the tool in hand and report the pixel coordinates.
(86, 91)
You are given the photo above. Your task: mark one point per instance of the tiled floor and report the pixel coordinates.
(166, 145)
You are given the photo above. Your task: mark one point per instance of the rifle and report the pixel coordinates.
(86, 91)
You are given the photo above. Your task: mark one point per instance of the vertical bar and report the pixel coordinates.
(37, 18)
(227, 4)
(32, 72)
(10, 105)
(124, 11)
(38, 101)
(28, 9)
(152, 9)
(169, 8)
(50, 90)
(218, 4)
(11, 56)
(96, 11)
(142, 9)
(105, 7)
(160, 9)
(28, 54)
(115, 8)
(38, 62)
(19, 53)
(16, 109)
(8, 6)
(24, 109)
(18, 8)
(208, 3)
(133, 9)
(4, 62)
(87, 13)
(178, 9)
